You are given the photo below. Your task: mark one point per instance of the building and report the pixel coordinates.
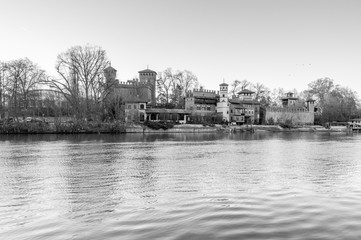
(240, 109)
(292, 110)
(201, 102)
(223, 103)
(136, 95)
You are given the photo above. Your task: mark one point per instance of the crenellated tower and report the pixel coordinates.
(149, 77)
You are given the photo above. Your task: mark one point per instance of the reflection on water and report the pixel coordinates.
(180, 186)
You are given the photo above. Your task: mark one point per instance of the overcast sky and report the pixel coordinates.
(280, 43)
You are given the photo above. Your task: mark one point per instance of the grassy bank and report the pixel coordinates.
(61, 128)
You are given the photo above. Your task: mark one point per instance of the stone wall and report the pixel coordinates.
(301, 116)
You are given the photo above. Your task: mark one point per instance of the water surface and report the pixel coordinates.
(181, 186)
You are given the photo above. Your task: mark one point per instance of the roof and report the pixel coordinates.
(245, 91)
(310, 100)
(239, 107)
(109, 68)
(223, 84)
(238, 101)
(289, 98)
(147, 71)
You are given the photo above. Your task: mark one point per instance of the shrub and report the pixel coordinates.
(271, 121)
(159, 125)
(287, 124)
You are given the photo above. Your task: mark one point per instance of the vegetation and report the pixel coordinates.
(333, 102)
(159, 125)
(173, 86)
(66, 127)
(82, 81)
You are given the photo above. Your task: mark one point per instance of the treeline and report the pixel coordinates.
(79, 90)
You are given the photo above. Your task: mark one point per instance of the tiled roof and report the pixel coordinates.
(147, 71)
(289, 98)
(245, 91)
(110, 67)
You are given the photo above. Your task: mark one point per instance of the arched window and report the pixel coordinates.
(141, 106)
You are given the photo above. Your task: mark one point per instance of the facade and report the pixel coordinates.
(136, 94)
(201, 102)
(163, 114)
(138, 99)
(291, 110)
(240, 109)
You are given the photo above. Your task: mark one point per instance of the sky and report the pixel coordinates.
(279, 43)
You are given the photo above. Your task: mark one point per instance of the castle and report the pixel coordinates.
(138, 97)
(291, 110)
(136, 94)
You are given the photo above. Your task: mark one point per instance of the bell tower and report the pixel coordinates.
(223, 104)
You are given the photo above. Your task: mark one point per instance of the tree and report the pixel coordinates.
(3, 84)
(320, 89)
(335, 103)
(237, 86)
(165, 82)
(276, 96)
(262, 94)
(173, 86)
(23, 77)
(82, 81)
(186, 80)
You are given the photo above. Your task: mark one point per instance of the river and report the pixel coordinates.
(181, 186)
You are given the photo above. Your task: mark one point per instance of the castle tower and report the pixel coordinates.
(289, 100)
(246, 95)
(223, 104)
(110, 74)
(310, 105)
(148, 76)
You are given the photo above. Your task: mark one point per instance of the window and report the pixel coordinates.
(208, 108)
(135, 106)
(141, 106)
(198, 107)
(129, 106)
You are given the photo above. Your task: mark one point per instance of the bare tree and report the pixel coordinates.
(238, 85)
(2, 87)
(173, 86)
(165, 83)
(24, 77)
(186, 80)
(262, 94)
(82, 82)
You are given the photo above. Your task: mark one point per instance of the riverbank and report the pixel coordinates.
(116, 128)
(277, 128)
